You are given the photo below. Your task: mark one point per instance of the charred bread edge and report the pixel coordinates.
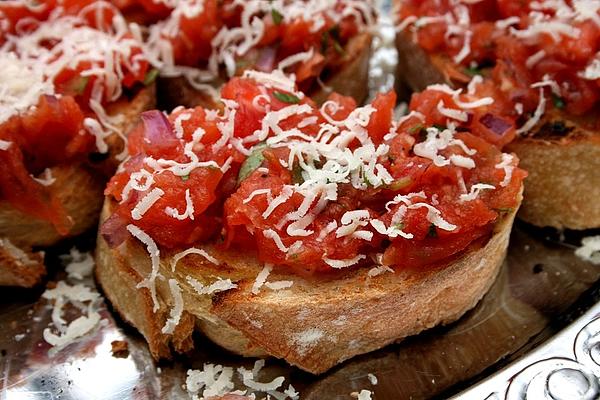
(563, 186)
(351, 80)
(312, 326)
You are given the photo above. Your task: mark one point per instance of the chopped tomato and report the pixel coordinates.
(53, 132)
(519, 55)
(294, 211)
(381, 120)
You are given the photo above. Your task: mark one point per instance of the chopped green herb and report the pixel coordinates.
(286, 97)
(439, 127)
(185, 177)
(558, 101)
(253, 161)
(399, 226)
(504, 210)
(416, 128)
(277, 17)
(474, 70)
(332, 36)
(432, 231)
(78, 85)
(151, 76)
(400, 183)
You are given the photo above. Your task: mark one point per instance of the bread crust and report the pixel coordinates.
(563, 185)
(352, 80)
(314, 325)
(20, 267)
(78, 187)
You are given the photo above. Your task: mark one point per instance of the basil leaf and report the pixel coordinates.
(416, 128)
(472, 71)
(254, 160)
(277, 17)
(78, 85)
(400, 183)
(150, 76)
(286, 97)
(558, 101)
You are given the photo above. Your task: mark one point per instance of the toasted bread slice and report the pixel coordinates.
(79, 189)
(20, 267)
(563, 185)
(352, 79)
(315, 324)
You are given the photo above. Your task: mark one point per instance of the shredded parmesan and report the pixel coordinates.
(261, 278)
(507, 165)
(192, 250)
(589, 250)
(339, 264)
(177, 309)
(220, 285)
(78, 295)
(150, 281)
(146, 203)
(475, 190)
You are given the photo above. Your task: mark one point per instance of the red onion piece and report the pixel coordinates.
(266, 59)
(497, 125)
(160, 138)
(114, 230)
(158, 129)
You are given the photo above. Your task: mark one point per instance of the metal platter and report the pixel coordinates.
(535, 335)
(543, 289)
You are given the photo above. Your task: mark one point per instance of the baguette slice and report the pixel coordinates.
(315, 324)
(352, 79)
(563, 186)
(78, 187)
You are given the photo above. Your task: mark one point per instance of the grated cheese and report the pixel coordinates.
(78, 265)
(192, 250)
(537, 115)
(261, 278)
(376, 271)
(363, 395)
(475, 190)
(339, 264)
(146, 203)
(506, 165)
(189, 209)
(149, 282)
(372, 379)
(220, 285)
(177, 309)
(589, 250)
(79, 295)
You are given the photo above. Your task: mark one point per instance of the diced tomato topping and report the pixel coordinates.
(257, 206)
(47, 137)
(53, 133)
(567, 47)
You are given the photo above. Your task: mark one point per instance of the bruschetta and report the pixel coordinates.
(312, 234)
(544, 58)
(74, 80)
(200, 44)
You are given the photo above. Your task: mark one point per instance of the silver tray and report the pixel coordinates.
(535, 335)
